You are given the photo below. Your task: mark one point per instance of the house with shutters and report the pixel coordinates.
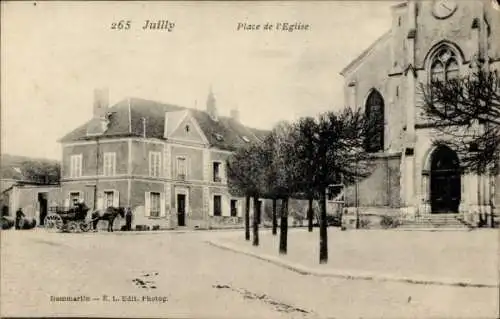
(165, 162)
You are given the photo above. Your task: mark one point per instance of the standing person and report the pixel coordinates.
(19, 217)
(95, 220)
(128, 219)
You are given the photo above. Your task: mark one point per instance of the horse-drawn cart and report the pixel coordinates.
(69, 220)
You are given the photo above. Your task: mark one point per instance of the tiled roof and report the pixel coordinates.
(127, 115)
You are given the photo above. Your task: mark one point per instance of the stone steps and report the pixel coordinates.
(436, 221)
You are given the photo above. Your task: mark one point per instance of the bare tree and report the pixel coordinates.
(246, 175)
(42, 172)
(335, 146)
(282, 173)
(306, 128)
(467, 110)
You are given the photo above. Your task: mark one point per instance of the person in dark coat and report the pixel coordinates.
(128, 219)
(95, 220)
(19, 216)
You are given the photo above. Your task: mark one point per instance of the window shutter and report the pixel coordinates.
(224, 206)
(116, 199)
(147, 204)
(66, 202)
(80, 165)
(150, 164)
(211, 206)
(162, 204)
(159, 172)
(222, 173)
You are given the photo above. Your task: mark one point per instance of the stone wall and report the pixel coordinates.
(381, 188)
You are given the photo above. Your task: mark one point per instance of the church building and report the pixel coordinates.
(413, 177)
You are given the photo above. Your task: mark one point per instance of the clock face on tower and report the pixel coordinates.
(442, 9)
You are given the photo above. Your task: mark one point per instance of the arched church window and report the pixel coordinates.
(374, 111)
(444, 66)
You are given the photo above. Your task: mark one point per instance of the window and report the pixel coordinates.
(181, 168)
(155, 205)
(109, 167)
(216, 172)
(74, 197)
(374, 141)
(154, 163)
(335, 192)
(109, 199)
(234, 207)
(444, 66)
(217, 205)
(76, 166)
(187, 128)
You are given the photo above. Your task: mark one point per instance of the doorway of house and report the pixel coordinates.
(42, 204)
(181, 209)
(445, 181)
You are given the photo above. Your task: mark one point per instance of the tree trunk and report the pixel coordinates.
(323, 234)
(275, 221)
(255, 225)
(495, 188)
(310, 215)
(247, 218)
(284, 226)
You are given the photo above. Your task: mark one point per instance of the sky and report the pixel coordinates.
(54, 54)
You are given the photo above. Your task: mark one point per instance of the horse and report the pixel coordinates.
(108, 214)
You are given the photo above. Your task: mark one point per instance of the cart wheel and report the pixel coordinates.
(72, 227)
(85, 226)
(53, 222)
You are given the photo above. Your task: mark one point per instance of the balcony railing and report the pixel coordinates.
(154, 213)
(217, 179)
(181, 177)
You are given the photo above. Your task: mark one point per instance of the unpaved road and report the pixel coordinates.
(172, 274)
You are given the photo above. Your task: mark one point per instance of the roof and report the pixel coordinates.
(366, 52)
(126, 121)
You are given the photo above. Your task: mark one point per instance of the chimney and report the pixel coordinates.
(211, 107)
(235, 114)
(101, 102)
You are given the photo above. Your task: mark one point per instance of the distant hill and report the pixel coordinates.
(28, 169)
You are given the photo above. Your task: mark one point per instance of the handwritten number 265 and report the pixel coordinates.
(121, 25)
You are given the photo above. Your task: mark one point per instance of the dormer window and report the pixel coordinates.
(218, 137)
(245, 139)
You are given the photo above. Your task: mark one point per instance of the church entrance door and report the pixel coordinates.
(445, 181)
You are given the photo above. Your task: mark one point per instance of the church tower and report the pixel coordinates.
(211, 105)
